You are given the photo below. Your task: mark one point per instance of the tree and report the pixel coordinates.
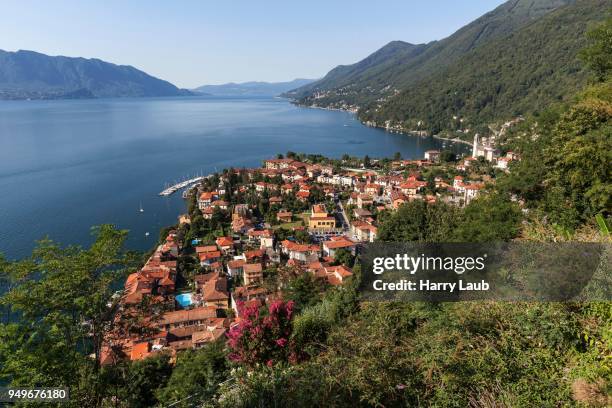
(491, 217)
(598, 55)
(417, 221)
(366, 161)
(196, 376)
(64, 300)
(580, 155)
(303, 290)
(344, 257)
(448, 156)
(144, 378)
(303, 236)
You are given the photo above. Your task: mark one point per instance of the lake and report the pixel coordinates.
(68, 165)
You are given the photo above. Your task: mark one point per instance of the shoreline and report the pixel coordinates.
(410, 133)
(465, 142)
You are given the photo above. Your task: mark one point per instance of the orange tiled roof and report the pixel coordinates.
(225, 241)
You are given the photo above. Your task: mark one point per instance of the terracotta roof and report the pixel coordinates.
(258, 233)
(166, 281)
(339, 243)
(292, 246)
(236, 263)
(215, 289)
(255, 253)
(206, 248)
(248, 292)
(203, 278)
(319, 208)
(179, 316)
(204, 256)
(206, 336)
(252, 268)
(140, 351)
(413, 184)
(225, 241)
(343, 271)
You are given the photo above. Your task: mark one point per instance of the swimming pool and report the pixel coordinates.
(184, 299)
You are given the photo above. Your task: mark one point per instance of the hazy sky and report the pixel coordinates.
(191, 43)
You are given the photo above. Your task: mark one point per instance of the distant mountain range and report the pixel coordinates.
(510, 61)
(252, 88)
(32, 75)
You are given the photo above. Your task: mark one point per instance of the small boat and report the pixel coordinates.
(141, 209)
(146, 234)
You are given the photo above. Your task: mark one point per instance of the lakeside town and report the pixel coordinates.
(249, 231)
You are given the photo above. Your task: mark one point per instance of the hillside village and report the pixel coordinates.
(249, 231)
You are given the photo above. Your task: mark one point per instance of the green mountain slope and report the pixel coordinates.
(399, 65)
(513, 75)
(377, 69)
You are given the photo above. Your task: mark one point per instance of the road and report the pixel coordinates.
(345, 220)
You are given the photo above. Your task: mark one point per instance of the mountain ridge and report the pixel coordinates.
(362, 86)
(252, 88)
(519, 74)
(26, 74)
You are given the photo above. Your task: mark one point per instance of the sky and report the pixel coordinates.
(192, 43)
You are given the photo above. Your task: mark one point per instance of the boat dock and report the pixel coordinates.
(176, 187)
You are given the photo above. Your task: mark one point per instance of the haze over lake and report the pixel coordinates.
(68, 165)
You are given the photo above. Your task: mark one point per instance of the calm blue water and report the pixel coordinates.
(68, 165)
(184, 299)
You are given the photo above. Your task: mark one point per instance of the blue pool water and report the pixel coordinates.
(184, 299)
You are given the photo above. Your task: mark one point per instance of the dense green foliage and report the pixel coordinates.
(450, 355)
(56, 314)
(512, 61)
(598, 55)
(565, 172)
(196, 376)
(304, 290)
(515, 75)
(490, 218)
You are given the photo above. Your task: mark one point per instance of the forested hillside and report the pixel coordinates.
(516, 59)
(521, 73)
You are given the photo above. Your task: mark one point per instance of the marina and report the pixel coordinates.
(174, 188)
